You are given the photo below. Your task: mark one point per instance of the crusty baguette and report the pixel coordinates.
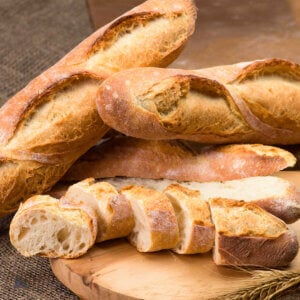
(253, 102)
(276, 195)
(156, 225)
(178, 160)
(114, 213)
(51, 122)
(246, 235)
(196, 230)
(42, 227)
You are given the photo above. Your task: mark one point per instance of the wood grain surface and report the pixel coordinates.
(115, 270)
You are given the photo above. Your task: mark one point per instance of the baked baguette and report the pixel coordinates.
(156, 225)
(253, 102)
(42, 227)
(113, 211)
(178, 160)
(276, 195)
(246, 235)
(196, 230)
(51, 122)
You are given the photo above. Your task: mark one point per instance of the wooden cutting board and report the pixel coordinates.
(115, 270)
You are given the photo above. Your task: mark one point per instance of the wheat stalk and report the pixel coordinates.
(264, 285)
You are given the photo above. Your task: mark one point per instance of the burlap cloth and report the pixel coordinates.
(34, 35)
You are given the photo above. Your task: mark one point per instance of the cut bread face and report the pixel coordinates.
(155, 220)
(42, 227)
(276, 195)
(194, 220)
(113, 212)
(247, 235)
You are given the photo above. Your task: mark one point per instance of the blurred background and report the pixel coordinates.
(34, 34)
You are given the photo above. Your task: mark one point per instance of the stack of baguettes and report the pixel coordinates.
(178, 194)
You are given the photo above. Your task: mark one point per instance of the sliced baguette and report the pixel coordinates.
(194, 220)
(113, 211)
(276, 195)
(155, 221)
(178, 160)
(42, 227)
(247, 235)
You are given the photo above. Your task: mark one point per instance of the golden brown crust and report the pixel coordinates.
(234, 217)
(113, 211)
(246, 235)
(178, 160)
(147, 11)
(33, 132)
(226, 104)
(38, 91)
(286, 208)
(196, 229)
(158, 218)
(256, 251)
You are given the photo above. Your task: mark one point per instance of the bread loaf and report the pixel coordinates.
(51, 122)
(194, 220)
(178, 160)
(113, 211)
(246, 235)
(253, 102)
(42, 227)
(156, 225)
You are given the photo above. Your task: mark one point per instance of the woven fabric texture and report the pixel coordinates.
(34, 35)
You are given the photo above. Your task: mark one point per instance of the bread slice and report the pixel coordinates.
(155, 221)
(276, 195)
(246, 235)
(113, 211)
(42, 227)
(194, 220)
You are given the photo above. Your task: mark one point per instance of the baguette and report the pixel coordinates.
(253, 102)
(156, 225)
(178, 160)
(194, 220)
(113, 211)
(51, 122)
(276, 195)
(246, 235)
(42, 227)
